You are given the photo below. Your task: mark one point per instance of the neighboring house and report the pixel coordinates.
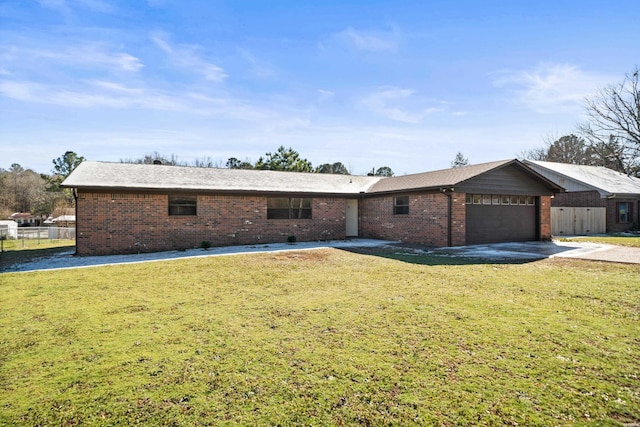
(25, 219)
(124, 208)
(8, 229)
(597, 199)
(64, 221)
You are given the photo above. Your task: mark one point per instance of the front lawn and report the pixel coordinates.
(323, 337)
(618, 240)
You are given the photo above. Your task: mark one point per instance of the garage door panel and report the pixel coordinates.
(493, 224)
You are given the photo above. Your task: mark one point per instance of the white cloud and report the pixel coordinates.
(373, 41)
(89, 55)
(399, 105)
(92, 95)
(115, 95)
(552, 88)
(187, 58)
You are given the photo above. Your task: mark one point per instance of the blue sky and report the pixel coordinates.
(404, 84)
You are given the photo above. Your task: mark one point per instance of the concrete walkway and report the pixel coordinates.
(608, 253)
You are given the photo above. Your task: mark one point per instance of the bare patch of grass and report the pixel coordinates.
(321, 337)
(19, 251)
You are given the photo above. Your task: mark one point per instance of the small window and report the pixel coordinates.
(514, 200)
(624, 212)
(183, 205)
(531, 201)
(477, 199)
(522, 200)
(401, 205)
(505, 200)
(486, 199)
(288, 208)
(495, 199)
(468, 199)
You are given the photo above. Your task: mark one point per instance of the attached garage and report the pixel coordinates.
(505, 205)
(502, 201)
(500, 218)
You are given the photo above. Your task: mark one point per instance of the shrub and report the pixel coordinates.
(291, 239)
(205, 244)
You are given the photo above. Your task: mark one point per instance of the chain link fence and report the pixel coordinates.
(26, 237)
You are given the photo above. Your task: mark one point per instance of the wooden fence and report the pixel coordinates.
(576, 221)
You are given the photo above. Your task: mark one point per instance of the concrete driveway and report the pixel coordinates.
(541, 250)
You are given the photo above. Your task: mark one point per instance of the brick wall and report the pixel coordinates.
(613, 226)
(114, 223)
(544, 214)
(593, 199)
(579, 199)
(426, 223)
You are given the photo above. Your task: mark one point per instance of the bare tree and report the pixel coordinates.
(538, 153)
(23, 190)
(612, 128)
(155, 157)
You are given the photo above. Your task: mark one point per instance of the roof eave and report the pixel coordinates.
(219, 191)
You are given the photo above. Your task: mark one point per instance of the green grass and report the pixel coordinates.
(35, 244)
(321, 337)
(632, 241)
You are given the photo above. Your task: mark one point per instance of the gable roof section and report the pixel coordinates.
(126, 176)
(450, 178)
(607, 182)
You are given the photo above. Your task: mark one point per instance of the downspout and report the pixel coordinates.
(75, 199)
(449, 193)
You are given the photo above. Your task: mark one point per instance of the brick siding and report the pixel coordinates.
(544, 213)
(613, 226)
(426, 223)
(115, 223)
(579, 199)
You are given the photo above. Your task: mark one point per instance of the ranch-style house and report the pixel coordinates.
(130, 208)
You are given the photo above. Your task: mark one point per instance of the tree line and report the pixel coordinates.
(24, 190)
(283, 159)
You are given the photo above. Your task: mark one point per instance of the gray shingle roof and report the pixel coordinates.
(436, 179)
(103, 175)
(126, 176)
(607, 182)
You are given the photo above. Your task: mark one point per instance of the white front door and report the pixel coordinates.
(352, 218)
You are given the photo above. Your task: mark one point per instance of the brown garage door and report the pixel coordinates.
(500, 223)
